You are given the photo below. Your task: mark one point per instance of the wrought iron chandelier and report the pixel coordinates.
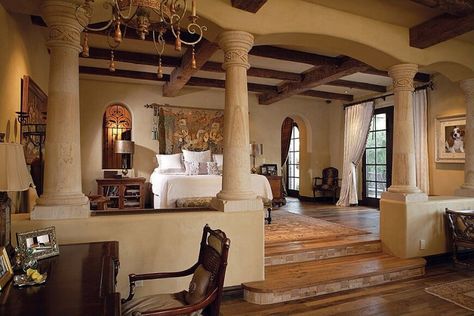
(146, 17)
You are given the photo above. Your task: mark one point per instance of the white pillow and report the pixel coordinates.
(219, 158)
(168, 163)
(197, 156)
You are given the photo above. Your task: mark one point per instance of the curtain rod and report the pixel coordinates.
(426, 86)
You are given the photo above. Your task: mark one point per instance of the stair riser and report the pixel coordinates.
(331, 287)
(323, 253)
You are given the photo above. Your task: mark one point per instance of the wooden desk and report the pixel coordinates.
(81, 281)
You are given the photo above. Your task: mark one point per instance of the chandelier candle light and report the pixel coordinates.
(145, 16)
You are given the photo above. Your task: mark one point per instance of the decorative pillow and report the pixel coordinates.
(192, 168)
(198, 286)
(198, 156)
(167, 162)
(212, 168)
(219, 158)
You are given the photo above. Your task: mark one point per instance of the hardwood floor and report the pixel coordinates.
(405, 297)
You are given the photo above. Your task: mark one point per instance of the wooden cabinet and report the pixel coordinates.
(277, 190)
(123, 193)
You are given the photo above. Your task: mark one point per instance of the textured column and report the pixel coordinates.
(403, 166)
(62, 197)
(467, 189)
(236, 193)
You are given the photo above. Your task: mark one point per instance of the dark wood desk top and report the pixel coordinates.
(81, 281)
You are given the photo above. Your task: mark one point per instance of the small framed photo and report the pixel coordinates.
(41, 241)
(269, 169)
(6, 271)
(449, 139)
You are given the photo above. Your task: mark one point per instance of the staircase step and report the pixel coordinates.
(307, 279)
(303, 251)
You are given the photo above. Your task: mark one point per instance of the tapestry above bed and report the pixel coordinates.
(193, 129)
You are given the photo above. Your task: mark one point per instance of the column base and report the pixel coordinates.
(62, 199)
(61, 211)
(465, 190)
(237, 205)
(404, 196)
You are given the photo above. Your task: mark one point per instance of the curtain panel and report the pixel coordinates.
(286, 128)
(420, 120)
(356, 129)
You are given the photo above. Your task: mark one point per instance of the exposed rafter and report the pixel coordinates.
(328, 95)
(316, 77)
(420, 77)
(182, 74)
(293, 55)
(248, 5)
(457, 7)
(357, 85)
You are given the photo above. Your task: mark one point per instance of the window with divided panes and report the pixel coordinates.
(294, 160)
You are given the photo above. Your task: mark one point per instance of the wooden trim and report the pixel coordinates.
(248, 5)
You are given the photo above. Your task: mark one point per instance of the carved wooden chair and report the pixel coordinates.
(329, 182)
(205, 290)
(461, 225)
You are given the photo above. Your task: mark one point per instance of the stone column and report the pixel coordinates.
(403, 165)
(62, 197)
(467, 189)
(236, 193)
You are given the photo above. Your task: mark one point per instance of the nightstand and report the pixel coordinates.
(277, 192)
(123, 193)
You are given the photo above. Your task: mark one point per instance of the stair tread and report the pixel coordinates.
(303, 246)
(304, 274)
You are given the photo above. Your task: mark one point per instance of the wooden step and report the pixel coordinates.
(302, 251)
(300, 280)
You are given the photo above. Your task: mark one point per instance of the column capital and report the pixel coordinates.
(65, 23)
(402, 76)
(467, 87)
(236, 45)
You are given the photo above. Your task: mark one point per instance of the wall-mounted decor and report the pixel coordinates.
(195, 129)
(449, 139)
(32, 118)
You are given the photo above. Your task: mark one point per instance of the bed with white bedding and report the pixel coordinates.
(167, 188)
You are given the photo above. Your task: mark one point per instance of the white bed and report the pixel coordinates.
(168, 188)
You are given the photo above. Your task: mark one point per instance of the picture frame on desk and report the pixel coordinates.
(269, 169)
(6, 271)
(42, 241)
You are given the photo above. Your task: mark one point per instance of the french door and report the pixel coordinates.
(293, 164)
(377, 160)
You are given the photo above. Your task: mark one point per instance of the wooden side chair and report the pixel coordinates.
(461, 226)
(329, 182)
(205, 290)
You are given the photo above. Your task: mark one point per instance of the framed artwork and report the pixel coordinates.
(6, 271)
(269, 169)
(42, 241)
(449, 139)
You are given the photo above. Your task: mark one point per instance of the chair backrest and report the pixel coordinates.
(330, 176)
(461, 224)
(211, 268)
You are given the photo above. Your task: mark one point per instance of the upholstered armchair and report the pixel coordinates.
(329, 182)
(461, 226)
(205, 290)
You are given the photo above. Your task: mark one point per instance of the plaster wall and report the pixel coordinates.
(164, 242)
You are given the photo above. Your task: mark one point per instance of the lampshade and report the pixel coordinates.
(256, 149)
(14, 175)
(124, 147)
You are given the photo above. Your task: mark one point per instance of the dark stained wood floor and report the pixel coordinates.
(399, 298)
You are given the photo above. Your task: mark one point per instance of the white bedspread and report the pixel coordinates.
(168, 188)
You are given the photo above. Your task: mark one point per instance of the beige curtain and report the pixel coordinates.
(356, 129)
(420, 108)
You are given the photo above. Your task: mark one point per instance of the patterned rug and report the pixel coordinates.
(460, 292)
(287, 227)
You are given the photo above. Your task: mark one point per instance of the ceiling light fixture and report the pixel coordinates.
(145, 16)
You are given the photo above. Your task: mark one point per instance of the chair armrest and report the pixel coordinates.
(315, 181)
(132, 278)
(184, 310)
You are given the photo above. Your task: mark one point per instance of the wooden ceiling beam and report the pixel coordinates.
(457, 7)
(420, 77)
(328, 95)
(180, 75)
(248, 5)
(315, 77)
(293, 55)
(357, 85)
(440, 29)
(134, 58)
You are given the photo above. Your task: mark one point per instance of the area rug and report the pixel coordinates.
(286, 227)
(460, 292)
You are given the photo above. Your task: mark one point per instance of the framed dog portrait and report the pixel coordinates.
(449, 139)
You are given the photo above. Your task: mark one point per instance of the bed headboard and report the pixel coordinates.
(194, 129)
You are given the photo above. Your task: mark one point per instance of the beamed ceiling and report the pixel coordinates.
(281, 72)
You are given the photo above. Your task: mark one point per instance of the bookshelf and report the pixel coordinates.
(124, 193)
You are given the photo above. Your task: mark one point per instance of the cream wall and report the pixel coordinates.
(446, 99)
(23, 52)
(265, 125)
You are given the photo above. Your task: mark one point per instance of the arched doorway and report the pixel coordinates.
(292, 142)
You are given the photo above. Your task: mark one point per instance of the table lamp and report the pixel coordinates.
(14, 177)
(255, 150)
(124, 147)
